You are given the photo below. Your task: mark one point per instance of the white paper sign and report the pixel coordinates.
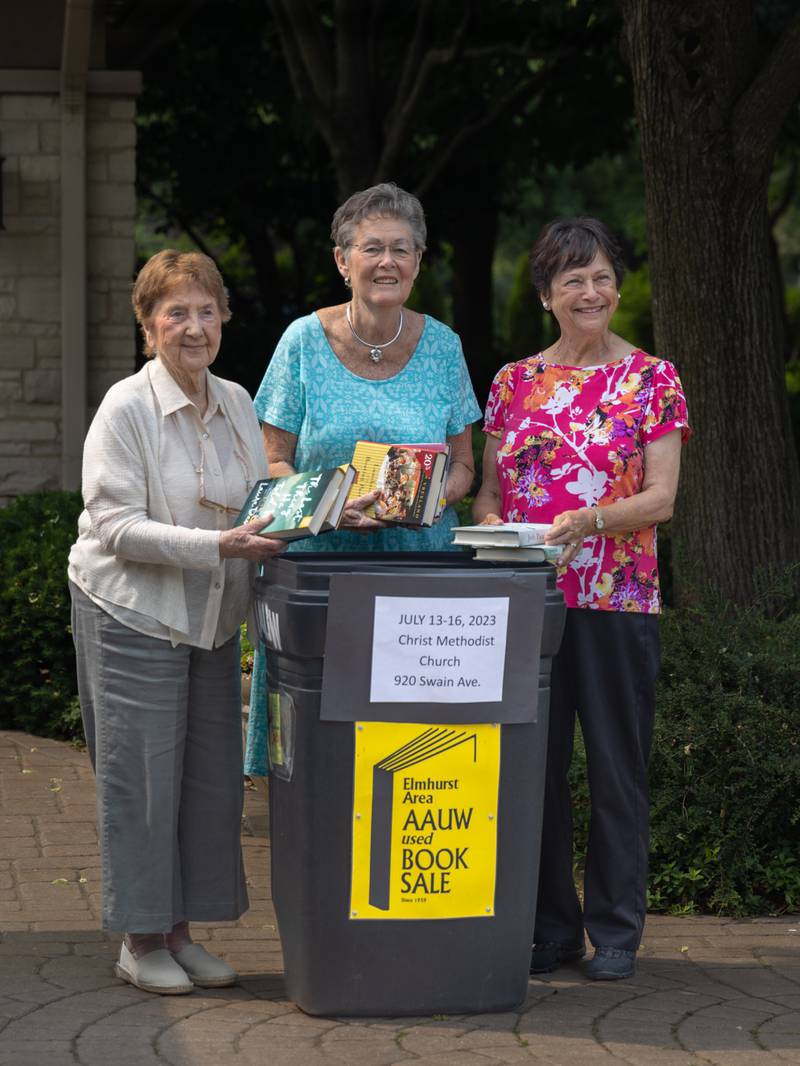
(438, 650)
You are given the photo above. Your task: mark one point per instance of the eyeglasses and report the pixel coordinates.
(221, 508)
(401, 253)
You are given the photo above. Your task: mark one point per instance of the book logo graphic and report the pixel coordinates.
(424, 820)
(427, 745)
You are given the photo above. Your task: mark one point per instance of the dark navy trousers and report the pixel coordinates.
(605, 672)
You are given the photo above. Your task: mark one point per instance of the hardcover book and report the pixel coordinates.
(504, 535)
(303, 505)
(542, 553)
(410, 480)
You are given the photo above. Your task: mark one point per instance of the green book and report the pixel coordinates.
(303, 504)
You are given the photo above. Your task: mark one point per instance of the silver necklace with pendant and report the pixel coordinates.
(375, 350)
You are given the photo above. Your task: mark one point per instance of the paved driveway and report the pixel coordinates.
(707, 991)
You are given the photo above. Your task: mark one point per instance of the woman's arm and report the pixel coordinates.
(116, 495)
(280, 447)
(488, 502)
(462, 466)
(662, 460)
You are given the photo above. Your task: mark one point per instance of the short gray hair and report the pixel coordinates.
(386, 200)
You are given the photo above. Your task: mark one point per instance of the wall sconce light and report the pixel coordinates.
(2, 224)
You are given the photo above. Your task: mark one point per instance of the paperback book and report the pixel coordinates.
(303, 505)
(410, 480)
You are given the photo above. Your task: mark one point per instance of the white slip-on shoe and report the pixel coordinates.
(157, 971)
(204, 969)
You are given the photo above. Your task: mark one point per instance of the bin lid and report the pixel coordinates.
(308, 571)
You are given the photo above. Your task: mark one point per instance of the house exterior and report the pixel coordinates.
(68, 90)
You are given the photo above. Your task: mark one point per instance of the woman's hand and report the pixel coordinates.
(353, 516)
(491, 519)
(242, 542)
(571, 528)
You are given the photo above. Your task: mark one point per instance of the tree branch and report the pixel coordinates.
(352, 75)
(414, 52)
(181, 222)
(760, 113)
(398, 121)
(298, 72)
(310, 45)
(437, 165)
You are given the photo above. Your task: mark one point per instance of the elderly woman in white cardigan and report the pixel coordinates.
(160, 584)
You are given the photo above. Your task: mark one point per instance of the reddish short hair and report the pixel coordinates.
(168, 270)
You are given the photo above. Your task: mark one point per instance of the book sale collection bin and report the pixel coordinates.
(408, 704)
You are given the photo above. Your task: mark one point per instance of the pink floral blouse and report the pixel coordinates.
(575, 437)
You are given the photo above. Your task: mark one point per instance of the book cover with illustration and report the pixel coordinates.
(303, 505)
(409, 479)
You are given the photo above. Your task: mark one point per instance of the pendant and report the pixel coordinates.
(375, 355)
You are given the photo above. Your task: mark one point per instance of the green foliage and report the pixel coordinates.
(248, 651)
(793, 366)
(725, 766)
(633, 319)
(524, 325)
(38, 688)
(725, 772)
(428, 295)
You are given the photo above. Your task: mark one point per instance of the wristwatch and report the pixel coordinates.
(599, 521)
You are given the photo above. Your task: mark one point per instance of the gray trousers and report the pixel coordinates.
(605, 671)
(163, 728)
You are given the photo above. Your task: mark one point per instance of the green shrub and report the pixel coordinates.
(725, 765)
(725, 772)
(38, 688)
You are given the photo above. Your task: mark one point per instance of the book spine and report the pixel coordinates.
(417, 509)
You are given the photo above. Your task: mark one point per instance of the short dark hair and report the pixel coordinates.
(572, 242)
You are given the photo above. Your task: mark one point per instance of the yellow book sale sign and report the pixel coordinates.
(424, 820)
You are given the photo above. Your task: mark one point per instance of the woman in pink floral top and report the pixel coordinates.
(587, 436)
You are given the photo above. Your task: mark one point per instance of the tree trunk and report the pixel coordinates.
(706, 154)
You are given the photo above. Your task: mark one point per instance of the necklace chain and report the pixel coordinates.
(375, 350)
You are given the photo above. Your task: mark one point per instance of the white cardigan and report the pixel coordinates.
(138, 534)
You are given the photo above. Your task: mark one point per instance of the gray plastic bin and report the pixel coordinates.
(336, 964)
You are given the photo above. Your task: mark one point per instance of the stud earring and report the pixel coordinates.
(347, 281)
(545, 305)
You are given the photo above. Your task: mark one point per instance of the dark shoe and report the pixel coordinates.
(610, 964)
(551, 954)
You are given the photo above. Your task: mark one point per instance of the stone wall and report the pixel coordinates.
(30, 275)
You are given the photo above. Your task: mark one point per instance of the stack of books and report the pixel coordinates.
(509, 542)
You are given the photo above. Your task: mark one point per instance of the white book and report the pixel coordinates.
(505, 535)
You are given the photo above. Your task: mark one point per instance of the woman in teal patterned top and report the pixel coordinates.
(370, 369)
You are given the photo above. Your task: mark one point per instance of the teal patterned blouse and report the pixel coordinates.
(309, 392)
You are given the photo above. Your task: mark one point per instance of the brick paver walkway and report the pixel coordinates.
(707, 991)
